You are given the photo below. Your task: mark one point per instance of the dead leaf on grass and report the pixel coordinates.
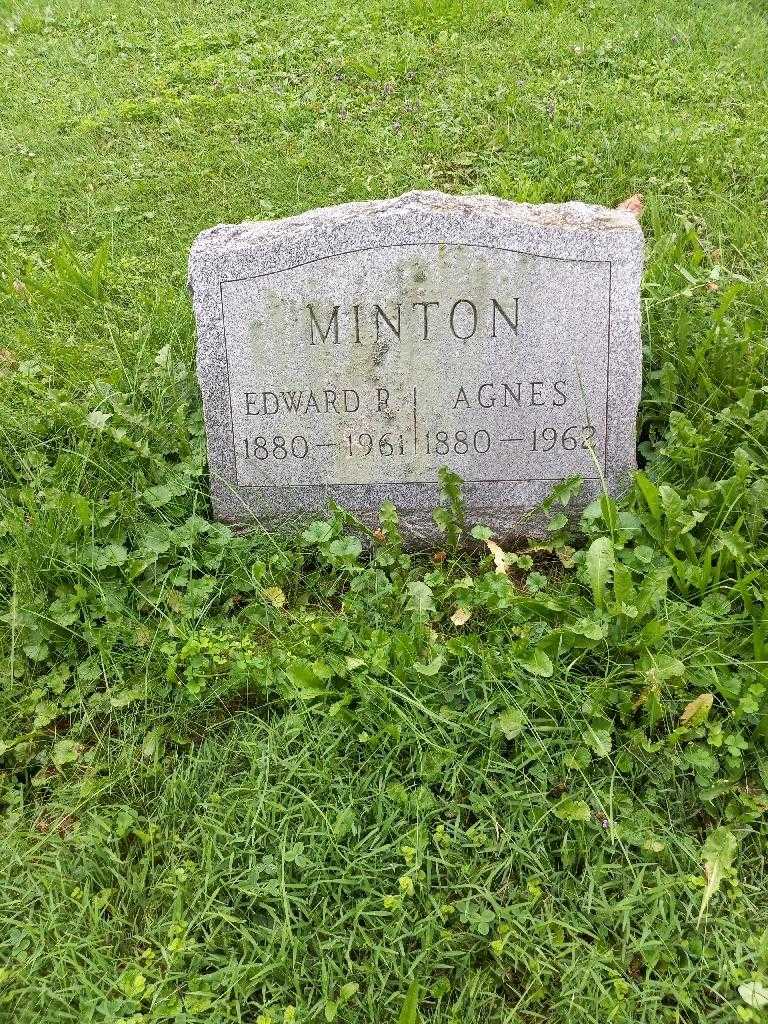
(634, 204)
(460, 616)
(697, 710)
(275, 596)
(500, 558)
(8, 360)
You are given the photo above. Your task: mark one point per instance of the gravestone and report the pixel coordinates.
(351, 352)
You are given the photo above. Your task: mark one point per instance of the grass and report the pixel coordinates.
(269, 779)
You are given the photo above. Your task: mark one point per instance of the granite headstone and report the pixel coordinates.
(350, 352)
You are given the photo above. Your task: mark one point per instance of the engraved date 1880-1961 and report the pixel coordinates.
(430, 442)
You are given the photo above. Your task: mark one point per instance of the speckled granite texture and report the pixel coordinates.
(349, 352)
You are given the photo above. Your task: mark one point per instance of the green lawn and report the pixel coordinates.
(268, 779)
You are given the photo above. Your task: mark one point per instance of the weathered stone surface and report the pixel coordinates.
(350, 352)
